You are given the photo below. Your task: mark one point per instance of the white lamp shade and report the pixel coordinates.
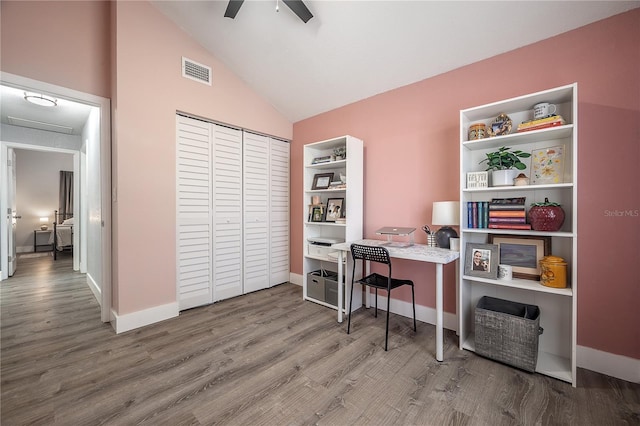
(44, 219)
(446, 213)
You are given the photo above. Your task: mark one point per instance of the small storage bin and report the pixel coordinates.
(508, 332)
(331, 291)
(316, 283)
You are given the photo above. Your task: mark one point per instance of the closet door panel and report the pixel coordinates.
(256, 212)
(227, 216)
(193, 233)
(279, 211)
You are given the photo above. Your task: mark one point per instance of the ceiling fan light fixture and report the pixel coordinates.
(40, 99)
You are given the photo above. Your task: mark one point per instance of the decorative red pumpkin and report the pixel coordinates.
(546, 216)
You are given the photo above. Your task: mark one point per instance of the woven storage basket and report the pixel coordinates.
(508, 332)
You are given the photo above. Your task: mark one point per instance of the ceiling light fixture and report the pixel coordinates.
(40, 99)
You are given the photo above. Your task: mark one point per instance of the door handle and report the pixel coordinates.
(15, 216)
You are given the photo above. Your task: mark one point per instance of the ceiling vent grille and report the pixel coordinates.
(196, 71)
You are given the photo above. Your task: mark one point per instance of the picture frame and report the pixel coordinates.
(547, 165)
(335, 209)
(481, 260)
(316, 214)
(477, 180)
(522, 252)
(322, 181)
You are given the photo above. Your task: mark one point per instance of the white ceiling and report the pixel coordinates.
(349, 50)
(352, 50)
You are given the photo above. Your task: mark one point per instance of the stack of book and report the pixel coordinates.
(508, 213)
(541, 123)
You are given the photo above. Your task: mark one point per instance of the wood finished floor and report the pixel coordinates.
(266, 358)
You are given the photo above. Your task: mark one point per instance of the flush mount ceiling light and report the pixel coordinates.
(40, 99)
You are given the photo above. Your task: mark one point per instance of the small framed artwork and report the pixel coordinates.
(477, 180)
(316, 214)
(335, 209)
(523, 253)
(547, 165)
(322, 181)
(481, 260)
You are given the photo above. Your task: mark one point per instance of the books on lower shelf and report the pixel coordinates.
(499, 213)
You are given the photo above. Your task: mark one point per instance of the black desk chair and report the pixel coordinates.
(377, 281)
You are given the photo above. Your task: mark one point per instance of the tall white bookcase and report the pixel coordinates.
(558, 307)
(319, 257)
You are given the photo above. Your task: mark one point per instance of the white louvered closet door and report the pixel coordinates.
(193, 212)
(227, 216)
(279, 212)
(256, 212)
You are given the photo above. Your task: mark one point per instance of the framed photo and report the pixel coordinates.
(477, 180)
(335, 209)
(523, 253)
(481, 260)
(316, 214)
(322, 181)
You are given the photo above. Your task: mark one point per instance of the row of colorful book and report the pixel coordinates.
(499, 213)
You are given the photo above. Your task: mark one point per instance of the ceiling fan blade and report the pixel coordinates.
(298, 7)
(232, 8)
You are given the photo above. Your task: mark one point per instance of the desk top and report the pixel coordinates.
(421, 252)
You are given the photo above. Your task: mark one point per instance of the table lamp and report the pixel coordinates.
(43, 223)
(445, 213)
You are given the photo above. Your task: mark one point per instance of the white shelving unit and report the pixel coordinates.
(320, 257)
(558, 307)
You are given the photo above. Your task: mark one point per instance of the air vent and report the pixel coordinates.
(196, 71)
(32, 124)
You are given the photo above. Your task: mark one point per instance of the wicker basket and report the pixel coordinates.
(508, 332)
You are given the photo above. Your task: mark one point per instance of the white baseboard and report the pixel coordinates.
(126, 322)
(295, 279)
(95, 289)
(24, 249)
(613, 365)
(423, 313)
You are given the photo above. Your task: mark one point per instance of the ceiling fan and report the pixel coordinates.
(297, 6)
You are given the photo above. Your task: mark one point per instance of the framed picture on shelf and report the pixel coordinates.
(316, 214)
(477, 180)
(523, 253)
(322, 181)
(547, 165)
(481, 260)
(335, 209)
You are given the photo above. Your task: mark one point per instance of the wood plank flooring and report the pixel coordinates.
(266, 358)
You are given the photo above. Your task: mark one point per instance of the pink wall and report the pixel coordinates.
(62, 43)
(150, 89)
(411, 159)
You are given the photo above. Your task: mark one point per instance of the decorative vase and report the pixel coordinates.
(503, 177)
(546, 217)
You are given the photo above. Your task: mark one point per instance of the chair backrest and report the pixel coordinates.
(370, 253)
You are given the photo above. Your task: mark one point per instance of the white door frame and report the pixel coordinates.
(104, 105)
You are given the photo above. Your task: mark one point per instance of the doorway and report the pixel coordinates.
(92, 162)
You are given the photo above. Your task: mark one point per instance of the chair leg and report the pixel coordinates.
(413, 299)
(350, 304)
(376, 314)
(386, 333)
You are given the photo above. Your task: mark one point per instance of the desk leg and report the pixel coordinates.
(340, 282)
(439, 309)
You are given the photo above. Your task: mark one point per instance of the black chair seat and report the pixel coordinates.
(378, 281)
(382, 281)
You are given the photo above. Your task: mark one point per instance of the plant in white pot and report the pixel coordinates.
(505, 165)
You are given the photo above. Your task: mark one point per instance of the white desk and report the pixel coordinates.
(419, 252)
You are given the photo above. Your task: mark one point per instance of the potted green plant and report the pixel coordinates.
(504, 165)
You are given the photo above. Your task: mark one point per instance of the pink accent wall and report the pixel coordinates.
(411, 141)
(62, 43)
